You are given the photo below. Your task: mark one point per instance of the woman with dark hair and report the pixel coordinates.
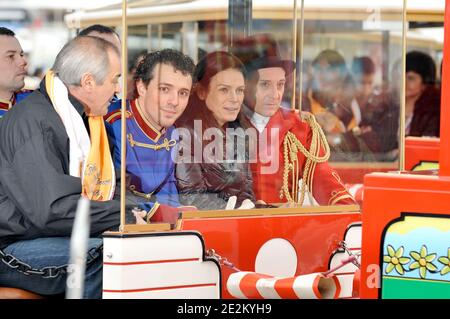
(423, 98)
(209, 178)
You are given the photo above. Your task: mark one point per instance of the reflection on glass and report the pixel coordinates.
(350, 49)
(422, 96)
(349, 81)
(424, 43)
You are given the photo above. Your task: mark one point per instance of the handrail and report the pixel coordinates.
(444, 153)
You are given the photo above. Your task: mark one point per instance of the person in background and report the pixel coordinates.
(423, 98)
(376, 118)
(13, 69)
(331, 96)
(363, 71)
(331, 93)
(132, 67)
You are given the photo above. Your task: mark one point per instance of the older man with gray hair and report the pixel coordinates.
(54, 149)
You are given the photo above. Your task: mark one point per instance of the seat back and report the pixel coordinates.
(14, 293)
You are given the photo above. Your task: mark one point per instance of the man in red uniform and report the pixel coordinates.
(291, 161)
(13, 68)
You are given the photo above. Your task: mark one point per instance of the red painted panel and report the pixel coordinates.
(419, 149)
(314, 237)
(386, 197)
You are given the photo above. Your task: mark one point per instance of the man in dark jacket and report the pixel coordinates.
(45, 162)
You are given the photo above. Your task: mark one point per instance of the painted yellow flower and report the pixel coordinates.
(423, 261)
(395, 259)
(446, 262)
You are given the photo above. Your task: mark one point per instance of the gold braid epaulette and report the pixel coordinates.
(291, 148)
(167, 144)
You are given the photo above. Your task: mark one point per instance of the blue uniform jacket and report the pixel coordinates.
(150, 168)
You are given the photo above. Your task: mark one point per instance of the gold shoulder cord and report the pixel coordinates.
(291, 148)
(166, 144)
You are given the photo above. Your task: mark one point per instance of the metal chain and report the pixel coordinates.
(222, 260)
(355, 261)
(352, 258)
(46, 272)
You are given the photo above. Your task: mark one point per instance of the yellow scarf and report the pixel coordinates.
(96, 169)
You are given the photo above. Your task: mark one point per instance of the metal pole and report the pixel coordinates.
(302, 39)
(149, 37)
(444, 152)
(402, 94)
(78, 250)
(385, 45)
(160, 35)
(239, 20)
(123, 145)
(294, 54)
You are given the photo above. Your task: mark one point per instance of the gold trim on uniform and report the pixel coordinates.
(337, 194)
(141, 114)
(337, 177)
(118, 114)
(147, 196)
(152, 212)
(292, 148)
(167, 144)
(339, 198)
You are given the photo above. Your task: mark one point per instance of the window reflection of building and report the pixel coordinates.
(359, 119)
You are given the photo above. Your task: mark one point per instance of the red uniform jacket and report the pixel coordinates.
(327, 188)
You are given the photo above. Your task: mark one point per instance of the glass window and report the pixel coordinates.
(345, 56)
(425, 37)
(351, 51)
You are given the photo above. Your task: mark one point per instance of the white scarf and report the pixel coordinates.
(80, 142)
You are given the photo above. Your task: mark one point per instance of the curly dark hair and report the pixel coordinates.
(178, 60)
(7, 32)
(423, 64)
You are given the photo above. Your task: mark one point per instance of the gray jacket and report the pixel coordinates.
(38, 197)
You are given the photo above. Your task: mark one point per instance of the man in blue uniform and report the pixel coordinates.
(163, 83)
(13, 69)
